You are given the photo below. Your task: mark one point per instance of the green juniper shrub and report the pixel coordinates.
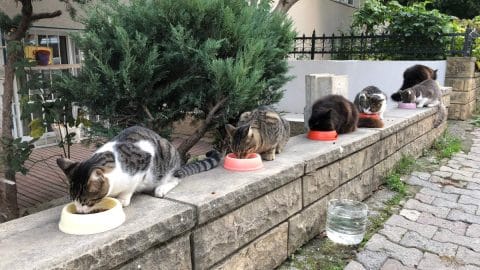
(152, 62)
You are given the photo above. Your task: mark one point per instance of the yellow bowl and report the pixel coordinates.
(82, 224)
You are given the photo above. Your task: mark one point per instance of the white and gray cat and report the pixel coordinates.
(371, 101)
(426, 94)
(136, 160)
(261, 131)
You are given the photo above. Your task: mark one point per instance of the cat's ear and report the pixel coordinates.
(96, 181)
(244, 116)
(66, 164)
(230, 130)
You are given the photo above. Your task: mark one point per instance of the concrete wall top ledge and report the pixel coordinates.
(152, 221)
(35, 242)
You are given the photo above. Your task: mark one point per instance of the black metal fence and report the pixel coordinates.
(385, 46)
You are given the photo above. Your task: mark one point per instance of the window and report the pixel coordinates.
(346, 2)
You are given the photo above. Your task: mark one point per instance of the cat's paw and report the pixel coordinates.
(124, 202)
(268, 156)
(161, 191)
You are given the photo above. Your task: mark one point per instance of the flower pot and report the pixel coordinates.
(42, 57)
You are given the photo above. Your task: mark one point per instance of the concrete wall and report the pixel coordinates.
(465, 82)
(387, 75)
(323, 16)
(228, 220)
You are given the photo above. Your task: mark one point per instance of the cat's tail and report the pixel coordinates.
(370, 123)
(212, 161)
(441, 115)
(396, 97)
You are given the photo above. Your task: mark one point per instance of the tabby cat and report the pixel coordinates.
(415, 75)
(426, 93)
(261, 131)
(136, 160)
(333, 112)
(371, 101)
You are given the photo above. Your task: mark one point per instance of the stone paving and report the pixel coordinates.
(437, 229)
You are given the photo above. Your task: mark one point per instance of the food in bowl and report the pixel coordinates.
(105, 215)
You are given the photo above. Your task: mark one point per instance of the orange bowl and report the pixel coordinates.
(251, 163)
(369, 115)
(322, 135)
(402, 105)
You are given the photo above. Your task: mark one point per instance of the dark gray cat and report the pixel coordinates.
(260, 131)
(426, 94)
(136, 160)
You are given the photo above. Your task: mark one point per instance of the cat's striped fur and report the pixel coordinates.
(136, 160)
(261, 131)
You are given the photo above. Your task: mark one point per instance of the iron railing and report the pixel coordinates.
(384, 46)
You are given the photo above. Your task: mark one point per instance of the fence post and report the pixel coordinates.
(312, 50)
(467, 45)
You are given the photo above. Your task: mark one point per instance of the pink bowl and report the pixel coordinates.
(251, 163)
(402, 105)
(322, 135)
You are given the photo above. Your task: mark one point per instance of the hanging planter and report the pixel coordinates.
(42, 57)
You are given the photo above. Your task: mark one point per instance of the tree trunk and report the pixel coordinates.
(8, 200)
(195, 137)
(7, 119)
(8, 188)
(285, 5)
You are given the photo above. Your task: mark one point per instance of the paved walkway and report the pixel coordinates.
(437, 229)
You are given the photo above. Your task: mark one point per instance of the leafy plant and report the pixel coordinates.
(447, 145)
(153, 62)
(412, 27)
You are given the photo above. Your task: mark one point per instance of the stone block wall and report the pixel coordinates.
(465, 82)
(229, 220)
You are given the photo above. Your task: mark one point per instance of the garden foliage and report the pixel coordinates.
(153, 62)
(415, 29)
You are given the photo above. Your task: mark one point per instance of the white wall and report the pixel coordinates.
(386, 75)
(323, 16)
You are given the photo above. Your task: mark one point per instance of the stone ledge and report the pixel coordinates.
(225, 213)
(36, 238)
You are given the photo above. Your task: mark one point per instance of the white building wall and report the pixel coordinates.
(386, 75)
(323, 16)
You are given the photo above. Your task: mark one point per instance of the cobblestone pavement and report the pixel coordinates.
(437, 229)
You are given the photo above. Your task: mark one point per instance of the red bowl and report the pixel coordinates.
(402, 105)
(251, 163)
(369, 115)
(322, 135)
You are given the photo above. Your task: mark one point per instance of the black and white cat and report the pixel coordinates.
(333, 112)
(136, 160)
(371, 101)
(426, 94)
(414, 75)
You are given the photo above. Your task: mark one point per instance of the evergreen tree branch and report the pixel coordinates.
(195, 137)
